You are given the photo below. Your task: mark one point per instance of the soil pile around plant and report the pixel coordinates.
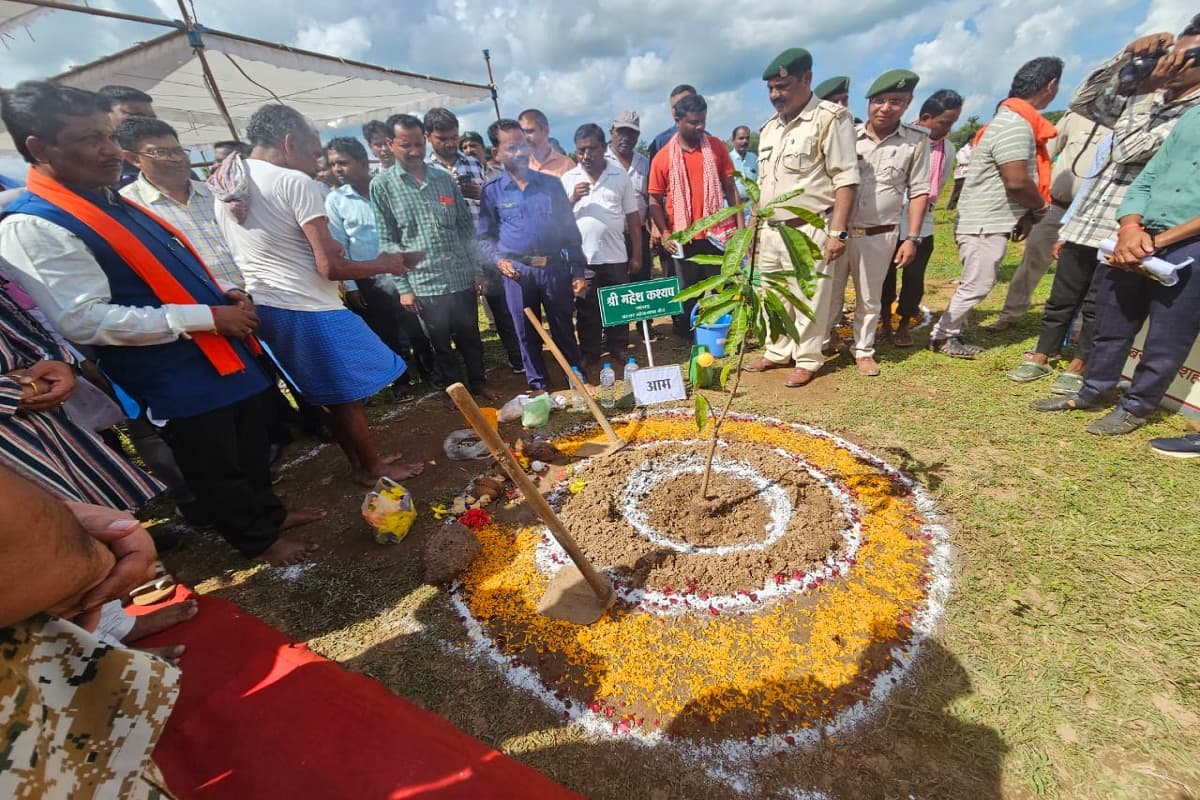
(765, 516)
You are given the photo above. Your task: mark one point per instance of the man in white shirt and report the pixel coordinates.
(605, 206)
(622, 150)
(292, 264)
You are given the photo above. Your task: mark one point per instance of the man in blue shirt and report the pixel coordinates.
(527, 229)
(375, 299)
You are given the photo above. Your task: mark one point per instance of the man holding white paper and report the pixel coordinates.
(1158, 218)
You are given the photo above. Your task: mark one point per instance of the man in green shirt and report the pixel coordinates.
(417, 204)
(1160, 218)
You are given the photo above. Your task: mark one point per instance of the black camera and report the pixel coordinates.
(1140, 67)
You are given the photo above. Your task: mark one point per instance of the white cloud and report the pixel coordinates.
(350, 38)
(1167, 15)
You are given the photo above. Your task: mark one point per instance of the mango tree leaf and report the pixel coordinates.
(725, 295)
(697, 289)
(797, 246)
(701, 412)
(704, 224)
(779, 319)
(707, 259)
(783, 198)
(751, 187)
(714, 313)
(737, 328)
(784, 290)
(764, 212)
(806, 215)
(725, 370)
(735, 250)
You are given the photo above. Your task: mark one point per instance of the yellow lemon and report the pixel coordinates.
(705, 360)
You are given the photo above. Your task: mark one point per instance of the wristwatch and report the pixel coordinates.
(841, 236)
(914, 239)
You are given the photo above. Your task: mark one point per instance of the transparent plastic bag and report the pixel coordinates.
(389, 509)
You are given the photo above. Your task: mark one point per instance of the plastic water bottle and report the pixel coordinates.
(577, 401)
(608, 387)
(631, 367)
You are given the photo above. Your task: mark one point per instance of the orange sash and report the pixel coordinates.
(1043, 131)
(130, 249)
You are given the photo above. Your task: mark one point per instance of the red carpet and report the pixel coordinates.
(259, 717)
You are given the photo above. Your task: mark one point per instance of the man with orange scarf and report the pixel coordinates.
(690, 178)
(1006, 191)
(113, 275)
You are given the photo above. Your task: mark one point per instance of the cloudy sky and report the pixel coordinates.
(580, 61)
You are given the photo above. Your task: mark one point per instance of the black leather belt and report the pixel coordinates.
(1060, 204)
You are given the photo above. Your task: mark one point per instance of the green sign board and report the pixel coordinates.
(632, 302)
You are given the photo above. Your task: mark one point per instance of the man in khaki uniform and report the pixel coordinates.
(808, 144)
(893, 162)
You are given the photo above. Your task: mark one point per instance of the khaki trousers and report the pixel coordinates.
(866, 260)
(806, 351)
(981, 254)
(1037, 260)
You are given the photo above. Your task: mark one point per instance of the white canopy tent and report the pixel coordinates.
(248, 73)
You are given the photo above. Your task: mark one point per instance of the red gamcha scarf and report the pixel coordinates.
(216, 348)
(1043, 132)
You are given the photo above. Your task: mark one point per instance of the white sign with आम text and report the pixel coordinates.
(658, 385)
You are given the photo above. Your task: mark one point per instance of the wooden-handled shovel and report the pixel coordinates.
(587, 449)
(577, 594)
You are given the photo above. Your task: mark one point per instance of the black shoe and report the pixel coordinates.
(518, 369)
(1063, 402)
(1117, 422)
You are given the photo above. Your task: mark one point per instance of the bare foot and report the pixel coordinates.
(170, 654)
(388, 468)
(286, 551)
(304, 516)
(158, 621)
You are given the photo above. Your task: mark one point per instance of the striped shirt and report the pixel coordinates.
(1140, 124)
(467, 166)
(47, 446)
(432, 217)
(985, 206)
(194, 220)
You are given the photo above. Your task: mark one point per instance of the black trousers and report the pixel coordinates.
(690, 273)
(1124, 301)
(643, 244)
(451, 323)
(1076, 278)
(912, 283)
(493, 295)
(223, 456)
(588, 322)
(399, 330)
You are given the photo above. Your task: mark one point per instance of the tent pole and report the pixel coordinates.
(99, 12)
(209, 81)
(487, 59)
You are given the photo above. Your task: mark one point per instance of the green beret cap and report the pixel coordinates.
(838, 84)
(793, 61)
(470, 136)
(896, 80)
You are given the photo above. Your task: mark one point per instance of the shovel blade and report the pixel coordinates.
(569, 597)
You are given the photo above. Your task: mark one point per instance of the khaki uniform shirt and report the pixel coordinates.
(890, 171)
(814, 152)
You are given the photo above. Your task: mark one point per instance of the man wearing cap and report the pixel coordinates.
(808, 144)
(893, 165)
(835, 90)
(622, 151)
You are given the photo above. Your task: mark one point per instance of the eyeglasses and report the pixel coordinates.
(165, 153)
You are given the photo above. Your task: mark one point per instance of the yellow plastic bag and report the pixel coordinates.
(389, 509)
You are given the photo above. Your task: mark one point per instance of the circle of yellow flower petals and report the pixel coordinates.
(786, 669)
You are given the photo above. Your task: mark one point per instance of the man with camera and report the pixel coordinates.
(1140, 93)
